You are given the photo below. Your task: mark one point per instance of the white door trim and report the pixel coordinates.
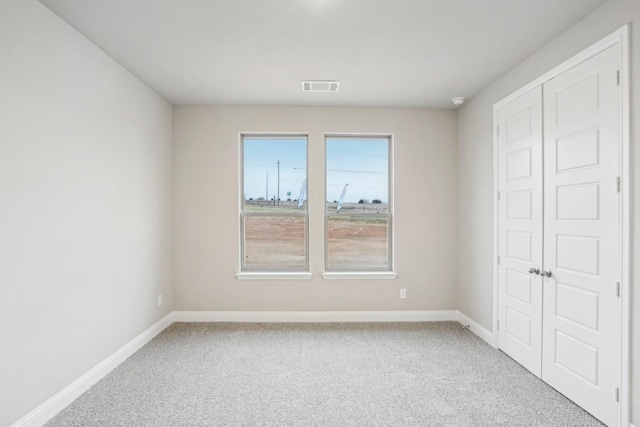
(620, 38)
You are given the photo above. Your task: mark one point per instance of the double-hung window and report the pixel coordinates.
(358, 211)
(274, 218)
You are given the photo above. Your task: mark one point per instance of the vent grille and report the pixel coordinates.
(320, 86)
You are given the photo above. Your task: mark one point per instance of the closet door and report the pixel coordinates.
(581, 238)
(520, 229)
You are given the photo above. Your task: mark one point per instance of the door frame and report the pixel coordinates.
(619, 38)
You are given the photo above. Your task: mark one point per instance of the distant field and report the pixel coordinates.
(361, 242)
(268, 206)
(278, 242)
(274, 243)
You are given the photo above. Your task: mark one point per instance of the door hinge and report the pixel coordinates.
(617, 394)
(498, 324)
(498, 130)
(498, 196)
(618, 184)
(618, 77)
(498, 259)
(618, 289)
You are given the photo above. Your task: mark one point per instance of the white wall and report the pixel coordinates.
(85, 206)
(206, 223)
(475, 168)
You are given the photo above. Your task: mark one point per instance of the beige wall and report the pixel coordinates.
(85, 206)
(475, 168)
(206, 223)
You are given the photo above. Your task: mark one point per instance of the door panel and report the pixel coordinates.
(519, 204)
(581, 244)
(519, 286)
(576, 151)
(520, 232)
(519, 164)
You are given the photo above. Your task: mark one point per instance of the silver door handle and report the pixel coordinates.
(534, 270)
(546, 273)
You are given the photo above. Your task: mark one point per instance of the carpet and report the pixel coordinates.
(320, 374)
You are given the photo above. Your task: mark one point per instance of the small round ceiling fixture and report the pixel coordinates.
(458, 100)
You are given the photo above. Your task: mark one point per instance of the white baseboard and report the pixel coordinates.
(62, 399)
(316, 316)
(478, 329)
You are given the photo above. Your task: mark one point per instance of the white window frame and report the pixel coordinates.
(362, 273)
(272, 274)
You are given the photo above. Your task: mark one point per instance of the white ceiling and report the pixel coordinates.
(397, 53)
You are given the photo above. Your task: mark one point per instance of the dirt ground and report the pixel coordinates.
(274, 243)
(357, 244)
(278, 242)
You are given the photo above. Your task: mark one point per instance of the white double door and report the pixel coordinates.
(559, 244)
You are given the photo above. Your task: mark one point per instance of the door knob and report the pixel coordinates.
(534, 270)
(546, 273)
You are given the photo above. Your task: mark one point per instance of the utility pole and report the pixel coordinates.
(266, 195)
(278, 182)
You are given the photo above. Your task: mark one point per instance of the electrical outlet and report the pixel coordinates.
(159, 300)
(403, 293)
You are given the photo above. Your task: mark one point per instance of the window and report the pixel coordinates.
(358, 204)
(274, 220)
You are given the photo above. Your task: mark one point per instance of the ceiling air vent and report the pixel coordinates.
(320, 86)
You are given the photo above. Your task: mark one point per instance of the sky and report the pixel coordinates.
(261, 158)
(361, 163)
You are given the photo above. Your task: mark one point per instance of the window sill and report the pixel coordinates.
(359, 275)
(268, 275)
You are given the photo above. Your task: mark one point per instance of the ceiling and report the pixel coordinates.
(395, 53)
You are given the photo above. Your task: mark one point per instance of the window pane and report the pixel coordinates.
(357, 174)
(274, 180)
(356, 243)
(275, 173)
(357, 205)
(274, 243)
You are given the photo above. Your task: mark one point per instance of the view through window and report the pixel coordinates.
(274, 209)
(358, 214)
